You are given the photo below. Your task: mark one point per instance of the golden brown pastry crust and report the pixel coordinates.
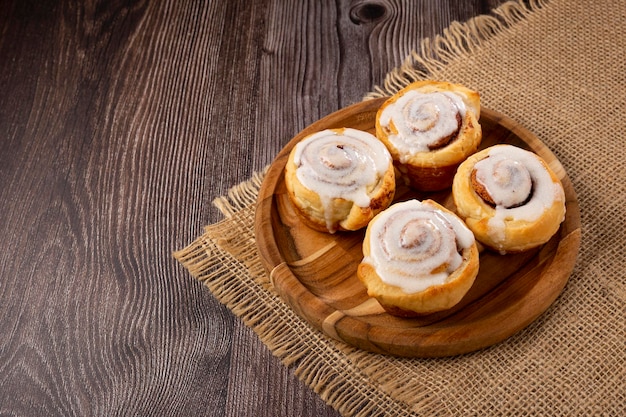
(434, 170)
(338, 214)
(518, 234)
(432, 299)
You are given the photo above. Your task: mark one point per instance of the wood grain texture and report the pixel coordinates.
(315, 272)
(120, 122)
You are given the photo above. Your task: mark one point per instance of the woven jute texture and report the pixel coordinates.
(559, 69)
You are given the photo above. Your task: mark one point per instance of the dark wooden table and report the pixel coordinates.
(120, 122)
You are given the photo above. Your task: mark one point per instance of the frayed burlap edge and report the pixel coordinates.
(225, 259)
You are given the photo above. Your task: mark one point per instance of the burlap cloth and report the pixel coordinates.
(559, 69)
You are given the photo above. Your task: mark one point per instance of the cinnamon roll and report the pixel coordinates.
(430, 127)
(509, 198)
(419, 258)
(339, 179)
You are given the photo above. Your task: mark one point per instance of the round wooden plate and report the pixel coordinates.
(315, 273)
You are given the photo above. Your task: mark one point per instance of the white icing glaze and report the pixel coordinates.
(533, 187)
(421, 120)
(506, 180)
(414, 245)
(341, 165)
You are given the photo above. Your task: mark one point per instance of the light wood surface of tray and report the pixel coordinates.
(315, 273)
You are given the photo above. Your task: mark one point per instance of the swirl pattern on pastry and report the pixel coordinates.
(341, 165)
(424, 121)
(509, 197)
(502, 181)
(340, 178)
(417, 245)
(430, 127)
